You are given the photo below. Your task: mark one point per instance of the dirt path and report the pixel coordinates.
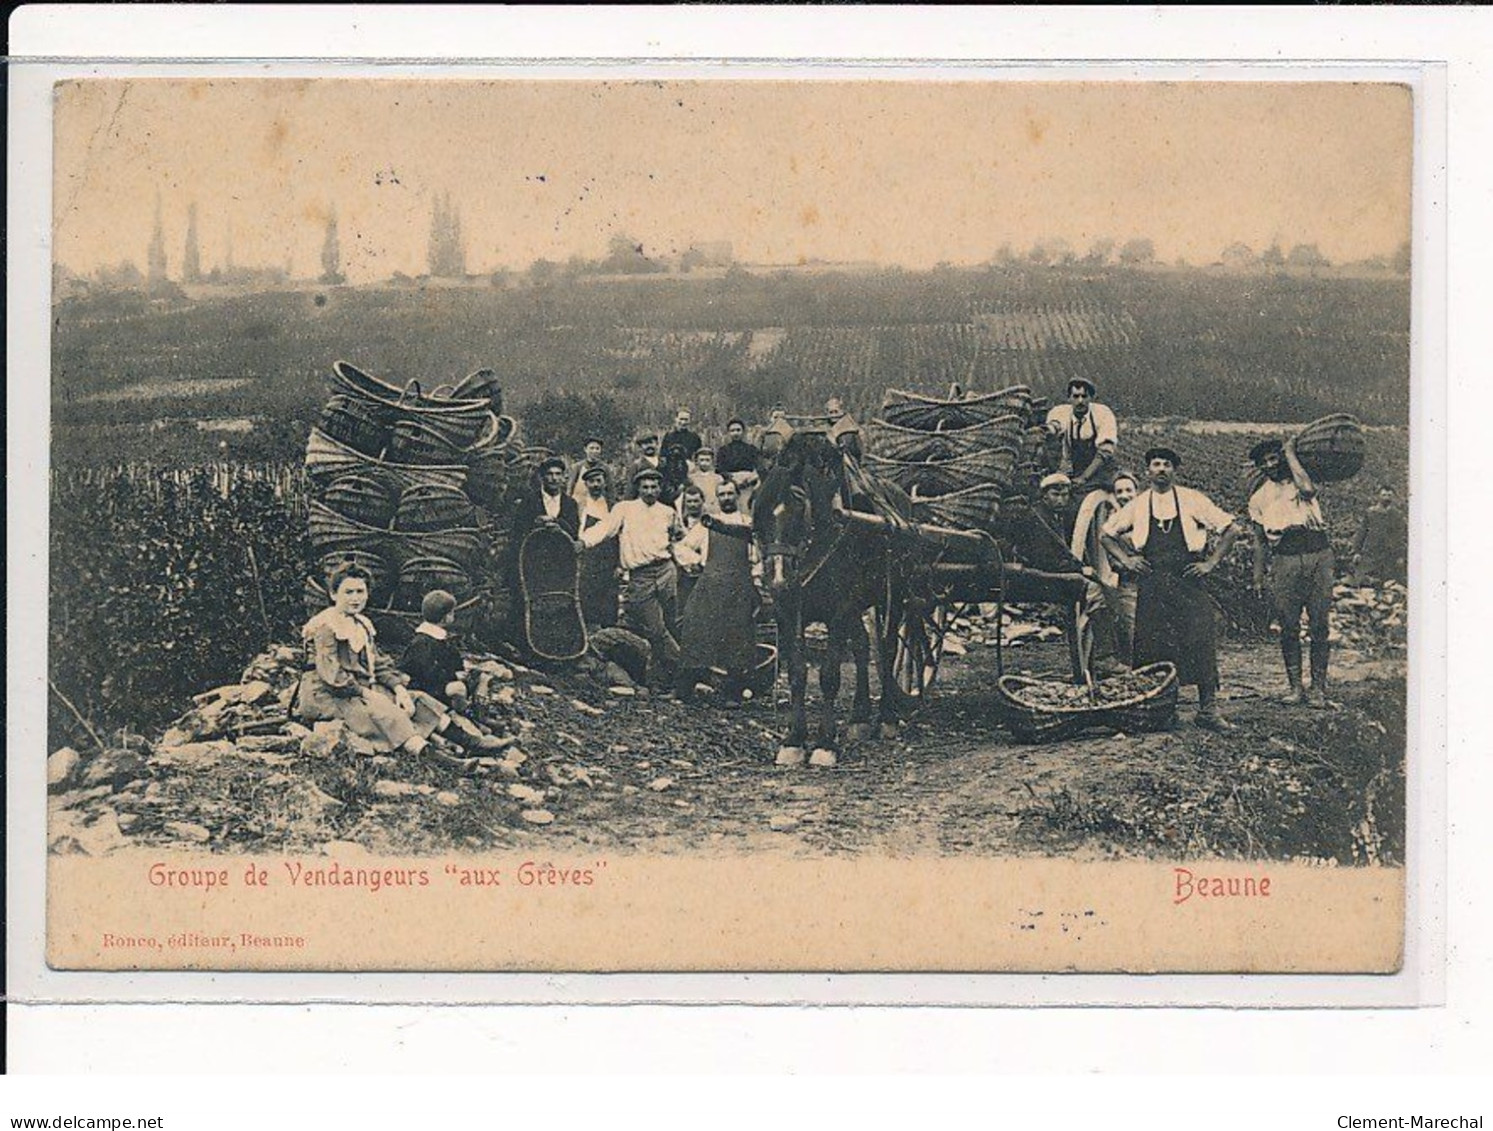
(606, 773)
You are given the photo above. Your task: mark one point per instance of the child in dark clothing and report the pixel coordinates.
(434, 664)
(431, 660)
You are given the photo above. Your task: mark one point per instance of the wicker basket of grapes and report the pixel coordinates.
(1039, 710)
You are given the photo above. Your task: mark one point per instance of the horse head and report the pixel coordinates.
(795, 506)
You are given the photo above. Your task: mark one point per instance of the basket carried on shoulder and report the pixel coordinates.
(1331, 448)
(1043, 711)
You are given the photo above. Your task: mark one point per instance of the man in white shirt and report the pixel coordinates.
(1166, 530)
(1287, 518)
(645, 529)
(1090, 436)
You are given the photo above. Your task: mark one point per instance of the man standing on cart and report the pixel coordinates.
(1089, 435)
(1168, 528)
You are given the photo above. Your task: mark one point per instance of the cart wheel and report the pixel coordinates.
(919, 647)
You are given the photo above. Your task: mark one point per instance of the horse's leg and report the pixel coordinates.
(829, 691)
(862, 723)
(895, 703)
(791, 650)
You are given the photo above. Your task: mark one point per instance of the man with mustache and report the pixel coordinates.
(1290, 531)
(1168, 527)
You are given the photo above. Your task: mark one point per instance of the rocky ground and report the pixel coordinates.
(598, 766)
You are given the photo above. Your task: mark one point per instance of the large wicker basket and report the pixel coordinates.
(1150, 709)
(419, 576)
(361, 425)
(433, 508)
(419, 443)
(363, 498)
(1331, 449)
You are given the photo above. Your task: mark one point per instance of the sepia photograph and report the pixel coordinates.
(730, 524)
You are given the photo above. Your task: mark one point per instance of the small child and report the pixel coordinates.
(434, 664)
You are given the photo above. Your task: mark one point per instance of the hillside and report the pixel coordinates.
(1179, 344)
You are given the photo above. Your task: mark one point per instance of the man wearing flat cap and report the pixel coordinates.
(648, 457)
(1043, 543)
(547, 504)
(592, 458)
(645, 528)
(600, 567)
(1161, 536)
(1089, 435)
(1290, 531)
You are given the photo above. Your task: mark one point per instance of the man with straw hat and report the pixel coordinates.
(1288, 523)
(1167, 528)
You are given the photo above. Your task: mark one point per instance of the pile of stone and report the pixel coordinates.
(1370, 619)
(237, 772)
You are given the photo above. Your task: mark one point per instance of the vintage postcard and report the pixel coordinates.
(875, 524)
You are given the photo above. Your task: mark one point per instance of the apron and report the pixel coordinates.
(717, 628)
(598, 580)
(1174, 614)
(1081, 452)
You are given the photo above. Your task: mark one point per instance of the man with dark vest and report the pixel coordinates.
(1089, 435)
(682, 437)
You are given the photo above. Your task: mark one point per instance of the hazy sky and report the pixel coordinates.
(909, 172)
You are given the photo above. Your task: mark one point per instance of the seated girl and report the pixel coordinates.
(349, 680)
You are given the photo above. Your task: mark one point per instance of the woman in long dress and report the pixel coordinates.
(347, 678)
(717, 629)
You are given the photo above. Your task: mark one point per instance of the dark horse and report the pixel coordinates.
(824, 568)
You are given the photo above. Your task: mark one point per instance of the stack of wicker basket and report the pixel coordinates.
(411, 486)
(959, 456)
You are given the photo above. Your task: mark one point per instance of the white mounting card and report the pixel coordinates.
(619, 239)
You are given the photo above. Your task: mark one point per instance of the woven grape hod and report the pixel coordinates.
(549, 581)
(1152, 707)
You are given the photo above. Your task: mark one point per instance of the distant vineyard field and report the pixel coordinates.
(1198, 343)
